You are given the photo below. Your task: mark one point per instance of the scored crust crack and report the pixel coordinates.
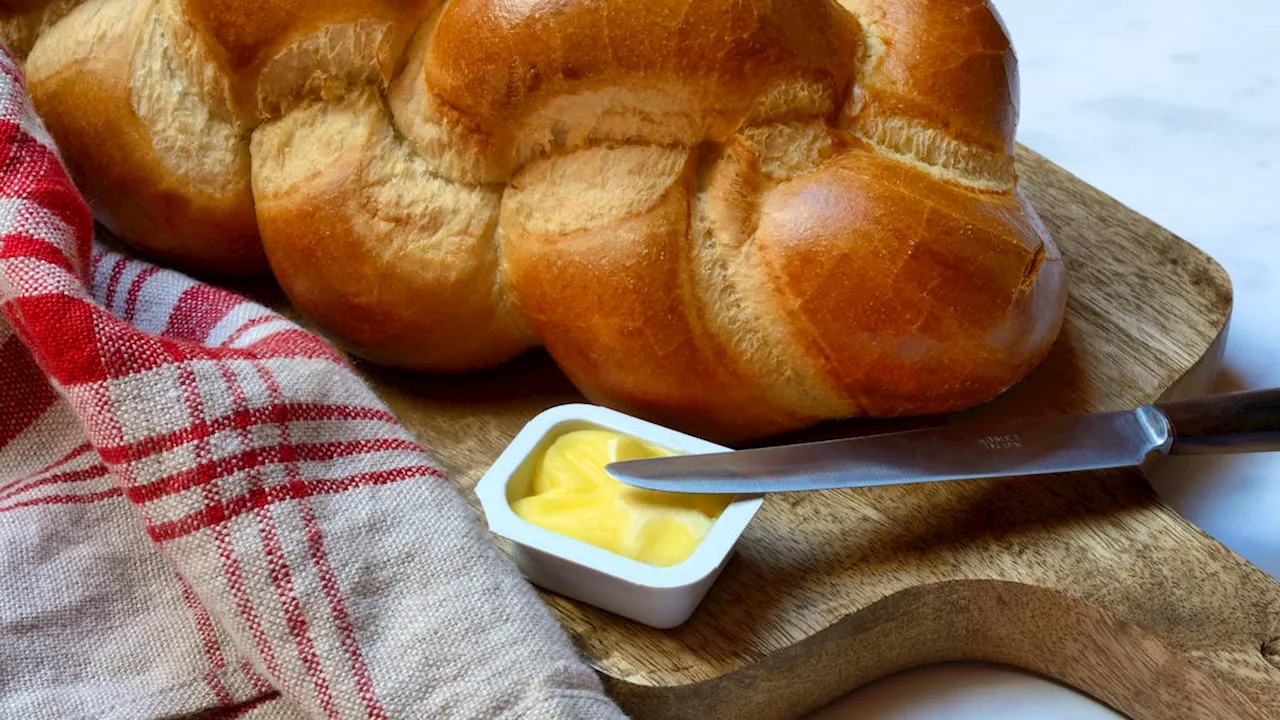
(736, 217)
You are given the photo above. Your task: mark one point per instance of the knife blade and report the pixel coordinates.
(1232, 423)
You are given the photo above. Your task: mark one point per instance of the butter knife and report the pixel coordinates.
(1240, 422)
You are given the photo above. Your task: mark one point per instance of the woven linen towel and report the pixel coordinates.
(203, 510)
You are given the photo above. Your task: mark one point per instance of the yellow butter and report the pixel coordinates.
(571, 494)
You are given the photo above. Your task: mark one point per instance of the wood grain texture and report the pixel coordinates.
(1088, 579)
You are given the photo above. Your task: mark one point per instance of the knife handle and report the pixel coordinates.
(1239, 422)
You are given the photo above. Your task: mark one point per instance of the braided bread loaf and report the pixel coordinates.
(738, 217)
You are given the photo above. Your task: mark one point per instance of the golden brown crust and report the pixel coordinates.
(966, 295)
(637, 340)
(567, 48)
(23, 21)
(735, 217)
(400, 267)
(949, 65)
(358, 40)
(14, 8)
(113, 156)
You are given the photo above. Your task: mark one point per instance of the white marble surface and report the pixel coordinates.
(1173, 107)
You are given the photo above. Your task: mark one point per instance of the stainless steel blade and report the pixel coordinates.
(1035, 446)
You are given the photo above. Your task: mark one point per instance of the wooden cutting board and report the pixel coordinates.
(1087, 579)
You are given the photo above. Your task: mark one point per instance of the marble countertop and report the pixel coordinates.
(1172, 107)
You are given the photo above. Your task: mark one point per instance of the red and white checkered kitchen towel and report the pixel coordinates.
(202, 507)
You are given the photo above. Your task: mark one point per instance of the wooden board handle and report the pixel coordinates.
(1230, 423)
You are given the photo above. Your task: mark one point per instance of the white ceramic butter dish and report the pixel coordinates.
(661, 597)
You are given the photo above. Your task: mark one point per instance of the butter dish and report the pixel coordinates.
(661, 597)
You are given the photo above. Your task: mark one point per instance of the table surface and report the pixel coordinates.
(1174, 109)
